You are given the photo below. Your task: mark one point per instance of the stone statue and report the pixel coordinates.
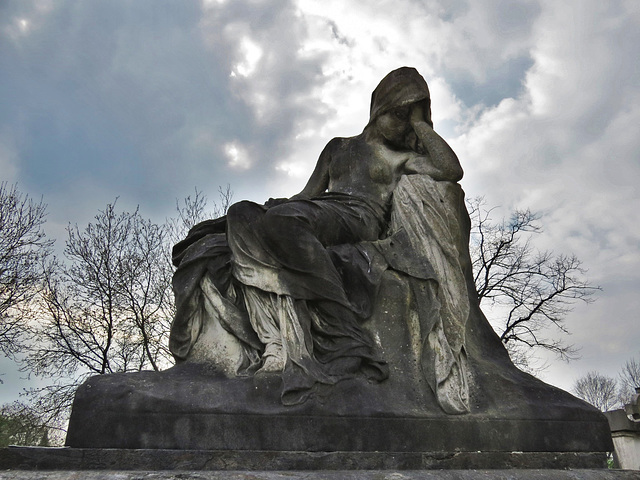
(343, 319)
(294, 279)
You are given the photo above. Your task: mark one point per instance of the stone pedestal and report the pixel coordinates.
(190, 407)
(395, 424)
(626, 439)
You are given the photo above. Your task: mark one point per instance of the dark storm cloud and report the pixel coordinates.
(137, 97)
(100, 93)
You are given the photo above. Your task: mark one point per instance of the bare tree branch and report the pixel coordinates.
(23, 251)
(534, 290)
(106, 309)
(599, 390)
(193, 210)
(21, 425)
(107, 306)
(629, 380)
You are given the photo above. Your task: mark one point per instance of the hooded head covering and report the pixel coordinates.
(401, 87)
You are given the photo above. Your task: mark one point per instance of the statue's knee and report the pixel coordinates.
(244, 211)
(282, 217)
(282, 224)
(237, 209)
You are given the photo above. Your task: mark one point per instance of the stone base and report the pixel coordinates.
(190, 408)
(42, 458)
(328, 475)
(278, 433)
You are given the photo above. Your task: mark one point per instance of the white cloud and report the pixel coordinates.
(567, 146)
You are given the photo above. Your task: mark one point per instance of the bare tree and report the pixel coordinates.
(193, 210)
(20, 425)
(599, 390)
(533, 290)
(189, 212)
(629, 380)
(23, 250)
(108, 306)
(106, 309)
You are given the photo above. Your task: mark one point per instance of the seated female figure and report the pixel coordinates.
(269, 274)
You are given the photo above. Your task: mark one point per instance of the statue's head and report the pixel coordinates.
(400, 88)
(400, 95)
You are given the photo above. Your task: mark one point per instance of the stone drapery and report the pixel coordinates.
(322, 338)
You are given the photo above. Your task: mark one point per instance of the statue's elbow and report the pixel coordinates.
(458, 174)
(453, 174)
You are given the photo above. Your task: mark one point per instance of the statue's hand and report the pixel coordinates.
(420, 114)
(417, 114)
(272, 202)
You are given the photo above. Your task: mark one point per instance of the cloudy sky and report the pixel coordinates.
(146, 101)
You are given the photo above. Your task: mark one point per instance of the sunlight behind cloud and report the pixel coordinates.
(252, 53)
(18, 28)
(30, 19)
(212, 3)
(237, 155)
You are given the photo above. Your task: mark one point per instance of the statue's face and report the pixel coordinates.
(394, 125)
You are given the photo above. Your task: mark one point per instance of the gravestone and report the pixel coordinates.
(344, 321)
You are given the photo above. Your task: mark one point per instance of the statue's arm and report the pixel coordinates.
(319, 180)
(443, 164)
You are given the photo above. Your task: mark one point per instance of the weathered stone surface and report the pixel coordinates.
(39, 458)
(194, 406)
(331, 475)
